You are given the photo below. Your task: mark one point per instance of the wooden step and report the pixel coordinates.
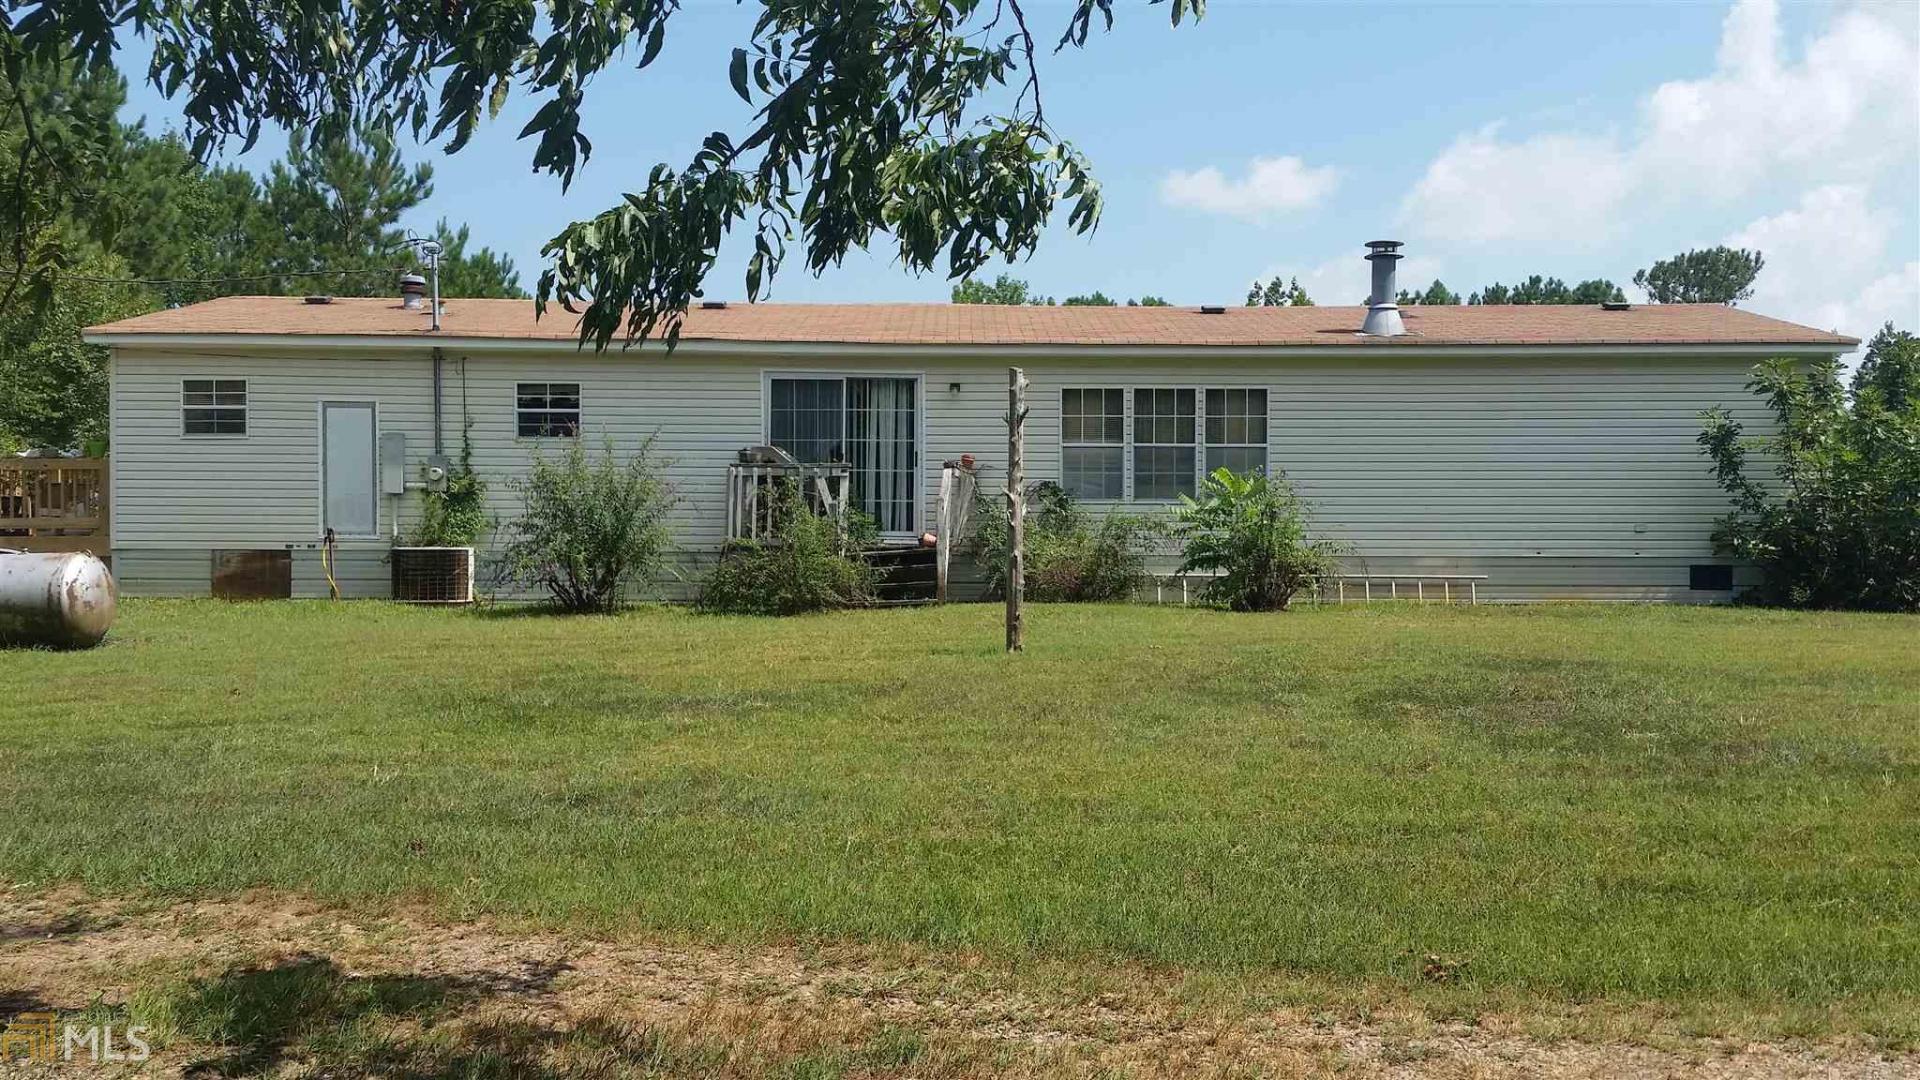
(909, 574)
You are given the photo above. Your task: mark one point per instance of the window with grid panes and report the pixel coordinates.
(1093, 437)
(213, 406)
(1163, 442)
(1237, 430)
(547, 410)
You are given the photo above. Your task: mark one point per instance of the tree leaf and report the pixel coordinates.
(655, 38)
(737, 73)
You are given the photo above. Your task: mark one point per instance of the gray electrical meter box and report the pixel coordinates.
(436, 471)
(393, 463)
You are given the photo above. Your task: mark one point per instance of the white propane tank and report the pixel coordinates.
(63, 601)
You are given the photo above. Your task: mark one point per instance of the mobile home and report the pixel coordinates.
(1547, 451)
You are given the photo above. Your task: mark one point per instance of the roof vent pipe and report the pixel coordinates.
(1383, 314)
(412, 285)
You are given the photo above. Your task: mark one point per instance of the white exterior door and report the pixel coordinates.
(349, 469)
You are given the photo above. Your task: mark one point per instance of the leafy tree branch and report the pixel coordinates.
(874, 118)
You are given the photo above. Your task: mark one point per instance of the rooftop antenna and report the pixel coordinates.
(431, 250)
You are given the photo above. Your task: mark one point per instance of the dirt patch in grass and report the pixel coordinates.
(272, 984)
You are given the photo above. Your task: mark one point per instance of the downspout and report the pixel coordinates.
(432, 250)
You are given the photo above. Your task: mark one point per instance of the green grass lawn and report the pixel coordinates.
(1639, 804)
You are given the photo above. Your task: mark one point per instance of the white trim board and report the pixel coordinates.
(249, 344)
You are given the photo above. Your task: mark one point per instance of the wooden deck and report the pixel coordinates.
(757, 492)
(55, 504)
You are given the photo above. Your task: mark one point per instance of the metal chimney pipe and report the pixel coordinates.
(432, 250)
(1383, 313)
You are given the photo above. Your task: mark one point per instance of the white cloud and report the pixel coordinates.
(1847, 108)
(1483, 190)
(1825, 260)
(1272, 186)
(1851, 101)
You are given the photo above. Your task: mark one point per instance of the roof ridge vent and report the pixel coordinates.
(1615, 305)
(1212, 309)
(713, 305)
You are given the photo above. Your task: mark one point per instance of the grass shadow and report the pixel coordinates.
(510, 610)
(599, 1046)
(53, 926)
(256, 1015)
(506, 610)
(307, 1014)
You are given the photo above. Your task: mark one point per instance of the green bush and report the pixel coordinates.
(1840, 525)
(592, 528)
(1068, 557)
(813, 563)
(1251, 530)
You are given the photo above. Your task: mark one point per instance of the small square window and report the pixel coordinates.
(213, 406)
(547, 410)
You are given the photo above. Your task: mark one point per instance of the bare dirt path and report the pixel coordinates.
(305, 990)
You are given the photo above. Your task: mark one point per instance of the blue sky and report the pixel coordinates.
(1497, 140)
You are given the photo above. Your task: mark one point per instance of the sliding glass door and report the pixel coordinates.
(881, 446)
(869, 423)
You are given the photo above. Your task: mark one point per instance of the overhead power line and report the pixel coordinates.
(216, 280)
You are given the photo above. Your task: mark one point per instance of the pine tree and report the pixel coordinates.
(1278, 293)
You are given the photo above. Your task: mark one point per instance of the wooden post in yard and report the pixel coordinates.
(1016, 507)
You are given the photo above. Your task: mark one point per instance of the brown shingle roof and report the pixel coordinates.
(964, 324)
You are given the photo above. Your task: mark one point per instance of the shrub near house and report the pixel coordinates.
(812, 563)
(1069, 556)
(593, 529)
(1841, 527)
(1250, 530)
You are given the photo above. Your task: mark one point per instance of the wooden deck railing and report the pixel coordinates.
(754, 494)
(55, 504)
(958, 483)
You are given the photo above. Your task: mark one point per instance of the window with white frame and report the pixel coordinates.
(213, 406)
(1163, 442)
(1237, 430)
(1175, 436)
(1093, 443)
(547, 410)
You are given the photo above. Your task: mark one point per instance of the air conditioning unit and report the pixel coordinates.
(433, 575)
